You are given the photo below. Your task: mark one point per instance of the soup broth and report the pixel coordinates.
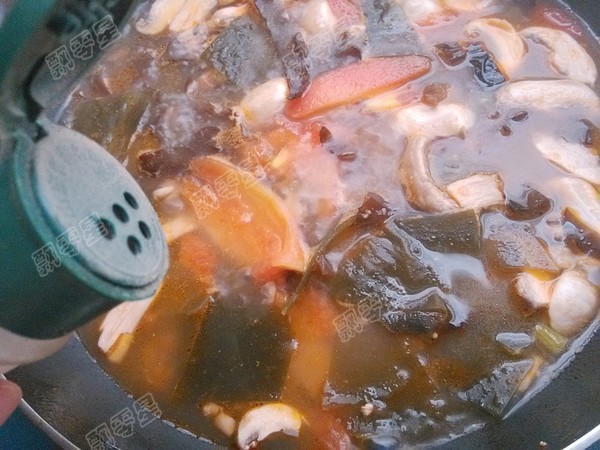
(383, 217)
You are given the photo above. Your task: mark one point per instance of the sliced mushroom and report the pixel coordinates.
(574, 158)
(468, 5)
(418, 11)
(449, 119)
(180, 226)
(178, 15)
(573, 304)
(161, 14)
(122, 320)
(258, 423)
(221, 420)
(477, 191)
(567, 57)
(501, 39)
(571, 299)
(318, 17)
(581, 197)
(260, 106)
(548, 94)
(533, 289)
(224, 16)
(415, 175)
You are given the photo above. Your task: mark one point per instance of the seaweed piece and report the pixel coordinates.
(239, 355)
(374, 210)
(495, 392)
(429, 314)
(393, 268)
(289, 43)
(244, 53)
(511, 247)
(296, 66)
(457, 232)
(388, 30)
(111, 121)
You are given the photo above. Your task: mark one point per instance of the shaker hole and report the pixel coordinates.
(145, 229)
(131, 201)
(134, 245)
(106, 228)
(120, 213)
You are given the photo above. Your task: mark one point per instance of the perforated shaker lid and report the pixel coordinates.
(90, 236)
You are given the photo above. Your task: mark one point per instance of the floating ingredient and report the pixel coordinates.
(356, 82)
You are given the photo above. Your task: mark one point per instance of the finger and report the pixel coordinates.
(10, 396)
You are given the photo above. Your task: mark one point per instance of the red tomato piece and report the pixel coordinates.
(356, 82)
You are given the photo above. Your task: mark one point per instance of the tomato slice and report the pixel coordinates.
(356, 82)
(243, 218)
(198, 256)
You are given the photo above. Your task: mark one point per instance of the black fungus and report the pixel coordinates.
(325, 135)
(487, 72)
(451, 54)
(521, 116)
(434, 94)
(531, 206)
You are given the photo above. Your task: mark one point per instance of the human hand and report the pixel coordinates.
(10, 396)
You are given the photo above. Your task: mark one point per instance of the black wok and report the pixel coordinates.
(74, 396)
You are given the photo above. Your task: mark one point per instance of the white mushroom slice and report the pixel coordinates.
(166, 189)
(178, 15)
(221, 420)
(415, 176)
(161, 14)
(420, 10)
(574, 158)
(192, 13)
(535, 291)
(318, 17)
(122, 319)
(225, 16)
(225, 424)
(580, 196)
(501, 39)
(567, 57)
(179, 226)
(469, 5)
(260, 106)
(573, 304)
(258, 423)
(477, 191)
(548, 94)
(445, 120)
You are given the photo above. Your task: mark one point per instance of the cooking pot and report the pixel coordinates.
(72, 399)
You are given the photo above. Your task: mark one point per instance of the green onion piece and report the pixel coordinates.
(550, 339)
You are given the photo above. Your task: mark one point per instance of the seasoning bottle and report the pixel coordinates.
(78, 236)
